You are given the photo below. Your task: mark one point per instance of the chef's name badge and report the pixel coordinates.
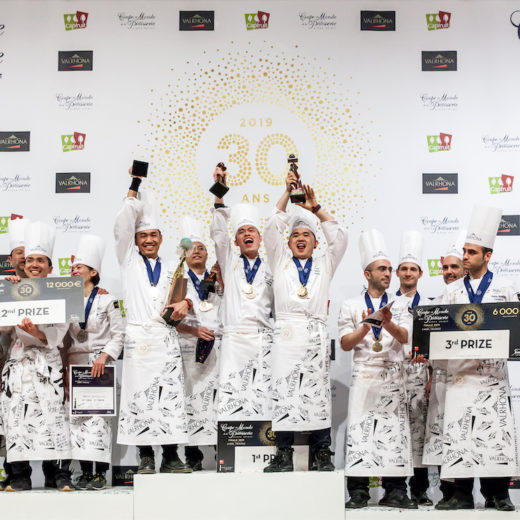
(468, 331)
(43, 300)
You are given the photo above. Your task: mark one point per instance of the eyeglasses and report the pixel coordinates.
(382, 269)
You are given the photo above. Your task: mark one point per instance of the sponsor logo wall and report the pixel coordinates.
(385, 142)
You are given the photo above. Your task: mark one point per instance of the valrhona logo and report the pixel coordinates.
(15, 141)
(509, 225)
(259, 20)
(440, 20)
(75, 141)
(75, 60)
(196, 20)
(439, 143)
(73, 182)
(378, 20)
(439, 60)
(77, 20)
(502, 184)
(434, 266)
(440, 183)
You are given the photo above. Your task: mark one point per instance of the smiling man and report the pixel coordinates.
(301, 355)
(245, 355)
(152, 409)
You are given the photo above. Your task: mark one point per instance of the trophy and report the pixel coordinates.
(203, 350)
(208, 284)
(219, 189)
(297, 194)
(179, 285)
(140, 169)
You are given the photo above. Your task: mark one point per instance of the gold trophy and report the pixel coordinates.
(179, 285)
(297, 194)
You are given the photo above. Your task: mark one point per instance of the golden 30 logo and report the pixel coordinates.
(469, 317)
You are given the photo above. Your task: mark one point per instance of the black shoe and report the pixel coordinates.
(50, 483)
(174, 465)
(423, 500)
(19, 484)
(195, 465)
(146, 465)
(442, 501)
(281, 462)
(398, 498)
(194, 459)
(358, 500)
(4, 483)
(323, 459)
(503, 504)
(455, 503)
(98, 482)
(64, 484)
(84, 481)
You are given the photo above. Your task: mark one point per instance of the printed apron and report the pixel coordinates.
(301, 380)
(479, 430)
(152, 409)
(378, 432)
(245, 375)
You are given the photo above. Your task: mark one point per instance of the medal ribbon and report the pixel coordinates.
(154, 276)
(482, 287)
(384, 300)
(203, 295)
(90, 301)
(303, 272)
(416, 298)
(250, 272)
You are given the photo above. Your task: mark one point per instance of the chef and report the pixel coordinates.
(378, 433)
(200, 336)
(479, 430)
(245, 352)
(34, 417)
(301, 353)
(96, 341)
(452, 270)
(417, 375)
(152, 408)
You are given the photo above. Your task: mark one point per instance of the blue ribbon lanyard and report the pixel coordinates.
(303, 272)
(384, 300)
(153, 276)
(90, 301)
(203, 295)
(415, 300)
(482, 287)
(250, 272)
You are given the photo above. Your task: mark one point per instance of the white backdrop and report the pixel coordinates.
(354, 105)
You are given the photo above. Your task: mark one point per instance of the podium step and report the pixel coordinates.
(302, 495)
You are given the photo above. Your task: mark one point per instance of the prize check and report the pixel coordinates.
(43, 300)
(92, 395)
(468, 331)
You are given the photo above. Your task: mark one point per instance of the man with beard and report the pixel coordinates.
(32, 381)
(152, 408)
(199, 336)
(378, 431)
(479, 430)
(245, 353)
(301, 357)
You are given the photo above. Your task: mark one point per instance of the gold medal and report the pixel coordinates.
(82, 335)
(247, 289)
(302, 291)
(251, 295)
(205, 306)
(377, 346)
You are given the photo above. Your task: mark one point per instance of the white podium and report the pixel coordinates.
(302, 495)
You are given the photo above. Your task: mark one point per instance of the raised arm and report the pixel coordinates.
(219, 233)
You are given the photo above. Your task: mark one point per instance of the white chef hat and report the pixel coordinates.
(90, 251)
(411, 248)
(39, 239)
(302, 218)
(372, 247)
(193, 229)
(244, 215)
(148, 218)
(17, 232)
(456, 245)
(483, 226)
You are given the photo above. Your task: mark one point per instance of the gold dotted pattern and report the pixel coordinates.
(262, 154)
(239, 157)
(204, 88)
